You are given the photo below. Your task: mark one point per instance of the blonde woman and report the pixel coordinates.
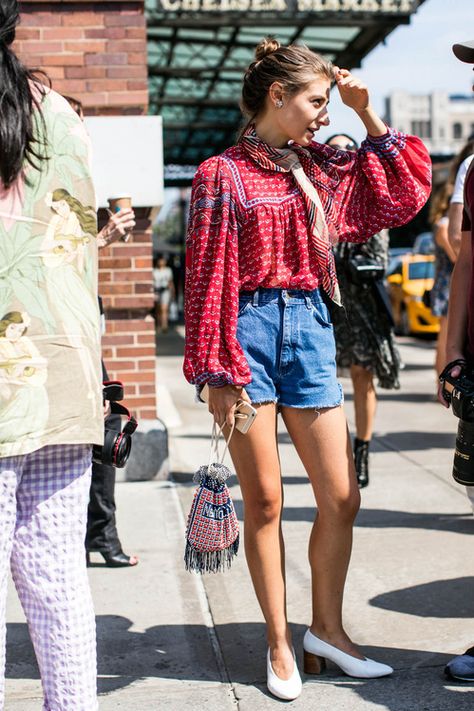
(260, 271)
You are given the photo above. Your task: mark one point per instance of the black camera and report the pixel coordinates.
(459, 393)
(117, 441)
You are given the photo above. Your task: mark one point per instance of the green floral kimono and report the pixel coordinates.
(50, 374)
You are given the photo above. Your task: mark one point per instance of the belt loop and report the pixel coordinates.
(307, 298)
(255, 298)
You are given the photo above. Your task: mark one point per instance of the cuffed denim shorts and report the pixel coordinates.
(288, 340)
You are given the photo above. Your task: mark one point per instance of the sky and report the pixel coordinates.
(416, 58)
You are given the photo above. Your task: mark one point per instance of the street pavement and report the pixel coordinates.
(171, 640)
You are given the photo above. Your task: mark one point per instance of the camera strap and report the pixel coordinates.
(459, 362)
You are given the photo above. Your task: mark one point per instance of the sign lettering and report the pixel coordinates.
(387, 7)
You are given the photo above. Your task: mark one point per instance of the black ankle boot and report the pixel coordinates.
(361, 461)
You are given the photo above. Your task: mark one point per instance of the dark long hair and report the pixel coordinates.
(19, 141)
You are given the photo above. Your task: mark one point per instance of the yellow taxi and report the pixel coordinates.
(408, 279)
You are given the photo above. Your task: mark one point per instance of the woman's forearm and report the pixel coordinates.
(454, 226)
(441, 239)
(372, 122)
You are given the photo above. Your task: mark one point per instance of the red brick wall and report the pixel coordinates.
(96, 52)
(127, 291)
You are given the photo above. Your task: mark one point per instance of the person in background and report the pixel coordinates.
(363, 329)
(259, 273)
(457, 199)
(460, 338)
(102, 535)
(447, 199)
(444, 261)
(51, 411)
(163, 285)
(456, 208)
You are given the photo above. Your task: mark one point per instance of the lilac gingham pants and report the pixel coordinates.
(43, 512)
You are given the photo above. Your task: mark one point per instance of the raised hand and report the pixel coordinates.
(355, 94)
(353, 91)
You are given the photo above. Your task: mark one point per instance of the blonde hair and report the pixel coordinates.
(294, 67)
(440, 202)
(85, 214)
(8, 319)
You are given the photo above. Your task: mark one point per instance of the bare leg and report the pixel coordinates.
(158, 315)
(164, 317)
(322, 442)
(365, 401)
(440, 361)
(255, 457)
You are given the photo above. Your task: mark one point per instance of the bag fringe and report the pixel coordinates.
(210, 561)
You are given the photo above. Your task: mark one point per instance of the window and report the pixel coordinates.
(421, 270)
(421, 128)
(457, 130)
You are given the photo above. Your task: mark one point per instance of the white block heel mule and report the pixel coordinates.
(286, 689)
(316, 652)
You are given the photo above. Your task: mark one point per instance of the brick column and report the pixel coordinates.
(96, 52)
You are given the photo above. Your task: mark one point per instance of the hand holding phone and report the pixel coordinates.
(244, 413)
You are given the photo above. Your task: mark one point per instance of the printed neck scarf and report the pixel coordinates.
(286, 160)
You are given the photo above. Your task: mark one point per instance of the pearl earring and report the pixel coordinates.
(279, 104)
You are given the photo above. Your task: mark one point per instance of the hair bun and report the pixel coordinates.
(266, 46)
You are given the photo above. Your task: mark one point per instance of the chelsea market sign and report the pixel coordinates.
(354, 6)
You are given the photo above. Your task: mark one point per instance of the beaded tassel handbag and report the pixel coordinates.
(212, 532)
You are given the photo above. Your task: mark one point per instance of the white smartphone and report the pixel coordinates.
(245, 414)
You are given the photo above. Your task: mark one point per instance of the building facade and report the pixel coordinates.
(443, 121)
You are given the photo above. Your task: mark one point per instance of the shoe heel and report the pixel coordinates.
(313, 664)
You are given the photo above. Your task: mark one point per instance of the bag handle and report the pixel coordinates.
(217, 431)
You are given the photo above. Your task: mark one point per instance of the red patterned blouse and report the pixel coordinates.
(248, 228)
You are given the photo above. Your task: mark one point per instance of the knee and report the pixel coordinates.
(343, 508)
(264, 509)
(361, 376)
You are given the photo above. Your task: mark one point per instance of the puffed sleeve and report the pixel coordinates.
(384, 184)
(212, 352)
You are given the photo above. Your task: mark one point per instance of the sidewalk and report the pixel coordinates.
(172, 641)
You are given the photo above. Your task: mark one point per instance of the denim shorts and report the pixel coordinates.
(288, 340)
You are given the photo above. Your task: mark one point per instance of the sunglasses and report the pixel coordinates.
(344, 146)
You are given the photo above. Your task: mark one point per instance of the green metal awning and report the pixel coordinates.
(198, 51)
